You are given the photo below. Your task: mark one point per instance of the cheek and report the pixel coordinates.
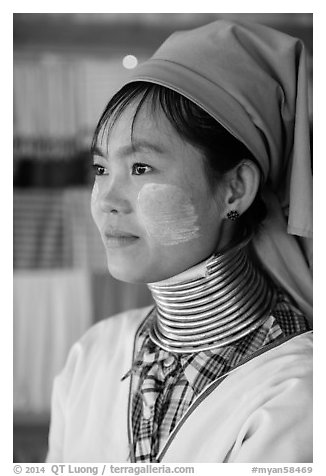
(94, 198)
(168, 214)
(94, 193)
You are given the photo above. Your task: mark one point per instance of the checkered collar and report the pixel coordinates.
(199, 368)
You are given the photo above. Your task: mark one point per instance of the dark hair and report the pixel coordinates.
(221, 149)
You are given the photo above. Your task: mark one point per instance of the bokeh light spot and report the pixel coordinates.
(130, 61)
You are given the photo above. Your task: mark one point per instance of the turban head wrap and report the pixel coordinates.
(253, 80)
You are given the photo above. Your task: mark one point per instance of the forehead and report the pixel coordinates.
(136, 124)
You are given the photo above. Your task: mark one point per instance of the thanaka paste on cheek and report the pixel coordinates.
(167, 213)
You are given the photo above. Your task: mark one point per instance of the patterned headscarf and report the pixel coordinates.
(253, 80)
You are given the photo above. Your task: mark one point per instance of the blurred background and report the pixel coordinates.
(66, 67)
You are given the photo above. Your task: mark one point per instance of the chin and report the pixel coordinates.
(127, 272)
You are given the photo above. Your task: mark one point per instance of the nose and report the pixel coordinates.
(113, 199)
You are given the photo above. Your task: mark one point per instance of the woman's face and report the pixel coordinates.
(151, 200)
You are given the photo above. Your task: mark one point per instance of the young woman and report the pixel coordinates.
(203, 191)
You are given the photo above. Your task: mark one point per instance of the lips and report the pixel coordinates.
(115, 238)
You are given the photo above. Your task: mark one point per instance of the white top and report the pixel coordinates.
(261, 412)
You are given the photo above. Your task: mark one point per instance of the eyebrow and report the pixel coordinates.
(137, 145)
(95, 150)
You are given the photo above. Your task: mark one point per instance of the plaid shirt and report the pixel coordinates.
(165, 384)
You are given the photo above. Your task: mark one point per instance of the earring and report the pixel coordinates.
(233, 215)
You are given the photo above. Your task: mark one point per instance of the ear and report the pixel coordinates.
(242, 186)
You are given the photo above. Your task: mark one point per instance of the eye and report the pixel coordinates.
(140, 169)
(99, 169)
